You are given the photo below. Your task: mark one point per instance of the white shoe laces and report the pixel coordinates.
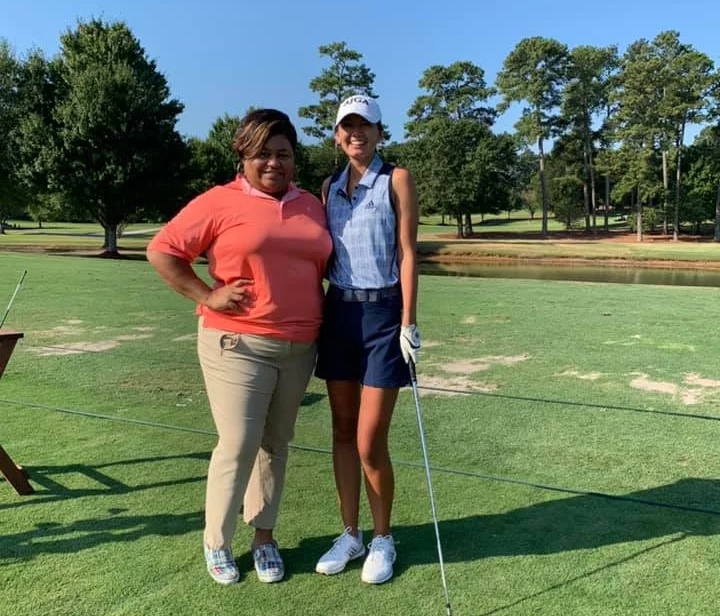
(344, 545)
(380, 548)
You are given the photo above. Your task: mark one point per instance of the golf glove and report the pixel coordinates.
(409, 343)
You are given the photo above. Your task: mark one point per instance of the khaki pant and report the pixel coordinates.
(255, 385)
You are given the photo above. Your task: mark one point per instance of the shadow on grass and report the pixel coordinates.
(580, 522)
(576, 523)
(551, 527)
(55, 538)
(584, 575)
(48, 480)
(311, 398)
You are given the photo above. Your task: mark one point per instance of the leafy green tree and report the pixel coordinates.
(702, 181)
(346, 75)
(222, 161)
(534, 72)
(499, 173)
(396, 153)
(453, 111)
(638, 126)
(212, 161)
(523, 173)
(566, 193)
(586, 93)
(36, 131)
(112, 148)
(11, 195)
(461, 168)
(315, 162)
(564, 172)
(44, 207)
(687, 78)
(636, 168)
(457, 91)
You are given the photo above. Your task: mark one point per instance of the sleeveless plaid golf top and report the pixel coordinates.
(362, 227)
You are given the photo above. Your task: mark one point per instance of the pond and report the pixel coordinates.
(581, 273)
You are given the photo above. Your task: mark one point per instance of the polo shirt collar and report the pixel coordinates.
(371, 173)
(245, 186)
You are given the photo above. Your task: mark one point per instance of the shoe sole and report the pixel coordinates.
(223, 582)
(341, 568)
(269, 580)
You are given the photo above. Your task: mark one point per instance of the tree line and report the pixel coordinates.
(90, 134)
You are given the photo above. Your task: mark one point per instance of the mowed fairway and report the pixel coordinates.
(573, 430)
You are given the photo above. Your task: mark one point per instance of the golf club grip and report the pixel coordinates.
(413, 374)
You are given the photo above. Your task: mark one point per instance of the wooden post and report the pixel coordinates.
(15, 474)
(8, 340)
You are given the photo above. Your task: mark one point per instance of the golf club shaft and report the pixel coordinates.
(413, 382)
(12, 299)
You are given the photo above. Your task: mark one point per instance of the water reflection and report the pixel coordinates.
(581, 273)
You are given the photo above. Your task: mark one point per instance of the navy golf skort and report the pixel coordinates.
(360, 338)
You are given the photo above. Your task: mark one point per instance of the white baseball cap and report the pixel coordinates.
(362, 105)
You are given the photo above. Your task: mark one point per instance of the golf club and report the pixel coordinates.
(413, 382)
(12, 299)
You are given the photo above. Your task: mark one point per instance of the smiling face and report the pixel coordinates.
(358, 138)
(271, 169)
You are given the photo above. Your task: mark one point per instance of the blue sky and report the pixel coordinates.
(221, 56)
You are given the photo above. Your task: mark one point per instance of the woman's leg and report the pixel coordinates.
(264, 491)
(376, 409)
(344, 404)
(239, 388)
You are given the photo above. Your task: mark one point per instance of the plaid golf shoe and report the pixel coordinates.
(221, 565)
(269, 564)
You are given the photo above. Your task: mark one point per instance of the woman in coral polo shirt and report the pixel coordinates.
(267, 247)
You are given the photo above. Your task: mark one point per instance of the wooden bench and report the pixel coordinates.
(15, 474)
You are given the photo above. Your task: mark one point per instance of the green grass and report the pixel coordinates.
(517, 222)
(57, 236)
(116, 523)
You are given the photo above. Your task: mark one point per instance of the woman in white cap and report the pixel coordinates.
(369, 332)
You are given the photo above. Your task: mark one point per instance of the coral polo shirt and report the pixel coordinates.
(281, 244)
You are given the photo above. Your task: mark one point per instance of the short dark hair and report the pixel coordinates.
(257, 127)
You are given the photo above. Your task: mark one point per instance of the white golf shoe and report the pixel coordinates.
(378, 567)
(345, 548)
